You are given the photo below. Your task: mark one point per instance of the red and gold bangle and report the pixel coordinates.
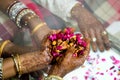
(21, 14)
(3, 45)
(15, 9)
(7, 11)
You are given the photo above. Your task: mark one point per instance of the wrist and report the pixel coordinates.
(57, 71)
(38, 28)
(82, 16)
(9, 69)
(34, 61)
(75, 11)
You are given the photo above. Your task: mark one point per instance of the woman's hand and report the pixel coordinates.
(97, 34)
(69, 62)
(91, 28)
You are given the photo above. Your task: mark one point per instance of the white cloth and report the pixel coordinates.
(61, 8)
(99, 66)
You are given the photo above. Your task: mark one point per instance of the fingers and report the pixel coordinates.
(93, 39)
(99, 39)
(69, 52)
(87, 50)
(83, 57)
(100, 42)
(85, 33)
(106, 40)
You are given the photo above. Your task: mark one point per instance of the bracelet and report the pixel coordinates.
(53, 77)
(37, 27)
(3, 45)
(25, 23)
(7, 11)
(16, 63)
(15, 9)
(19, 64)
(1, 69)
(21, 14)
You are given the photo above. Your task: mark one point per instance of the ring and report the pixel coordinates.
(104, 33)
(94, 39)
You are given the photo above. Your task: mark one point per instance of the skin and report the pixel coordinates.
(32, 23)
(91, 28)
(68, 62)
(30, 61)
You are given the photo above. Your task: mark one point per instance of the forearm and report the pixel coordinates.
(39, 33)
(9, 69)
(4, 4)
(29, 18)
(57, 71)
(27, 63)
(8, 48)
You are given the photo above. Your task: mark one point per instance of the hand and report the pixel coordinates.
(98, 36)
(69, 62)
(91, 28)
(45, 44)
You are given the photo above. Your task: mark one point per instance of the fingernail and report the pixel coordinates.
(108, 46)
(101, 49)
(95, 50)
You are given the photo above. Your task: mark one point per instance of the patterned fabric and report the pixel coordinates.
(106, 11)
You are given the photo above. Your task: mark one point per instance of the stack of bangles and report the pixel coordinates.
(17, 10)
(17, 63)
(16, 60)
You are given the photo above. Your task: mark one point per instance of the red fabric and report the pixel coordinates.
(115, 4)
(33, 7)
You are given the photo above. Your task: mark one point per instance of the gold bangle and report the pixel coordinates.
(15, 63)
(19, 65)
(53, 77)
(37, 27)
(3, 45)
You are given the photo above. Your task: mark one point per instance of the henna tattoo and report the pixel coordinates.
(35, 61)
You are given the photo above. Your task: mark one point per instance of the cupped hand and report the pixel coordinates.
(69, 62)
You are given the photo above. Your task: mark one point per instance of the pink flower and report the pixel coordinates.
(68, 30)
(55, 54)
(52, 37)
(70, 38)
(60, 35)
(59, 47)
